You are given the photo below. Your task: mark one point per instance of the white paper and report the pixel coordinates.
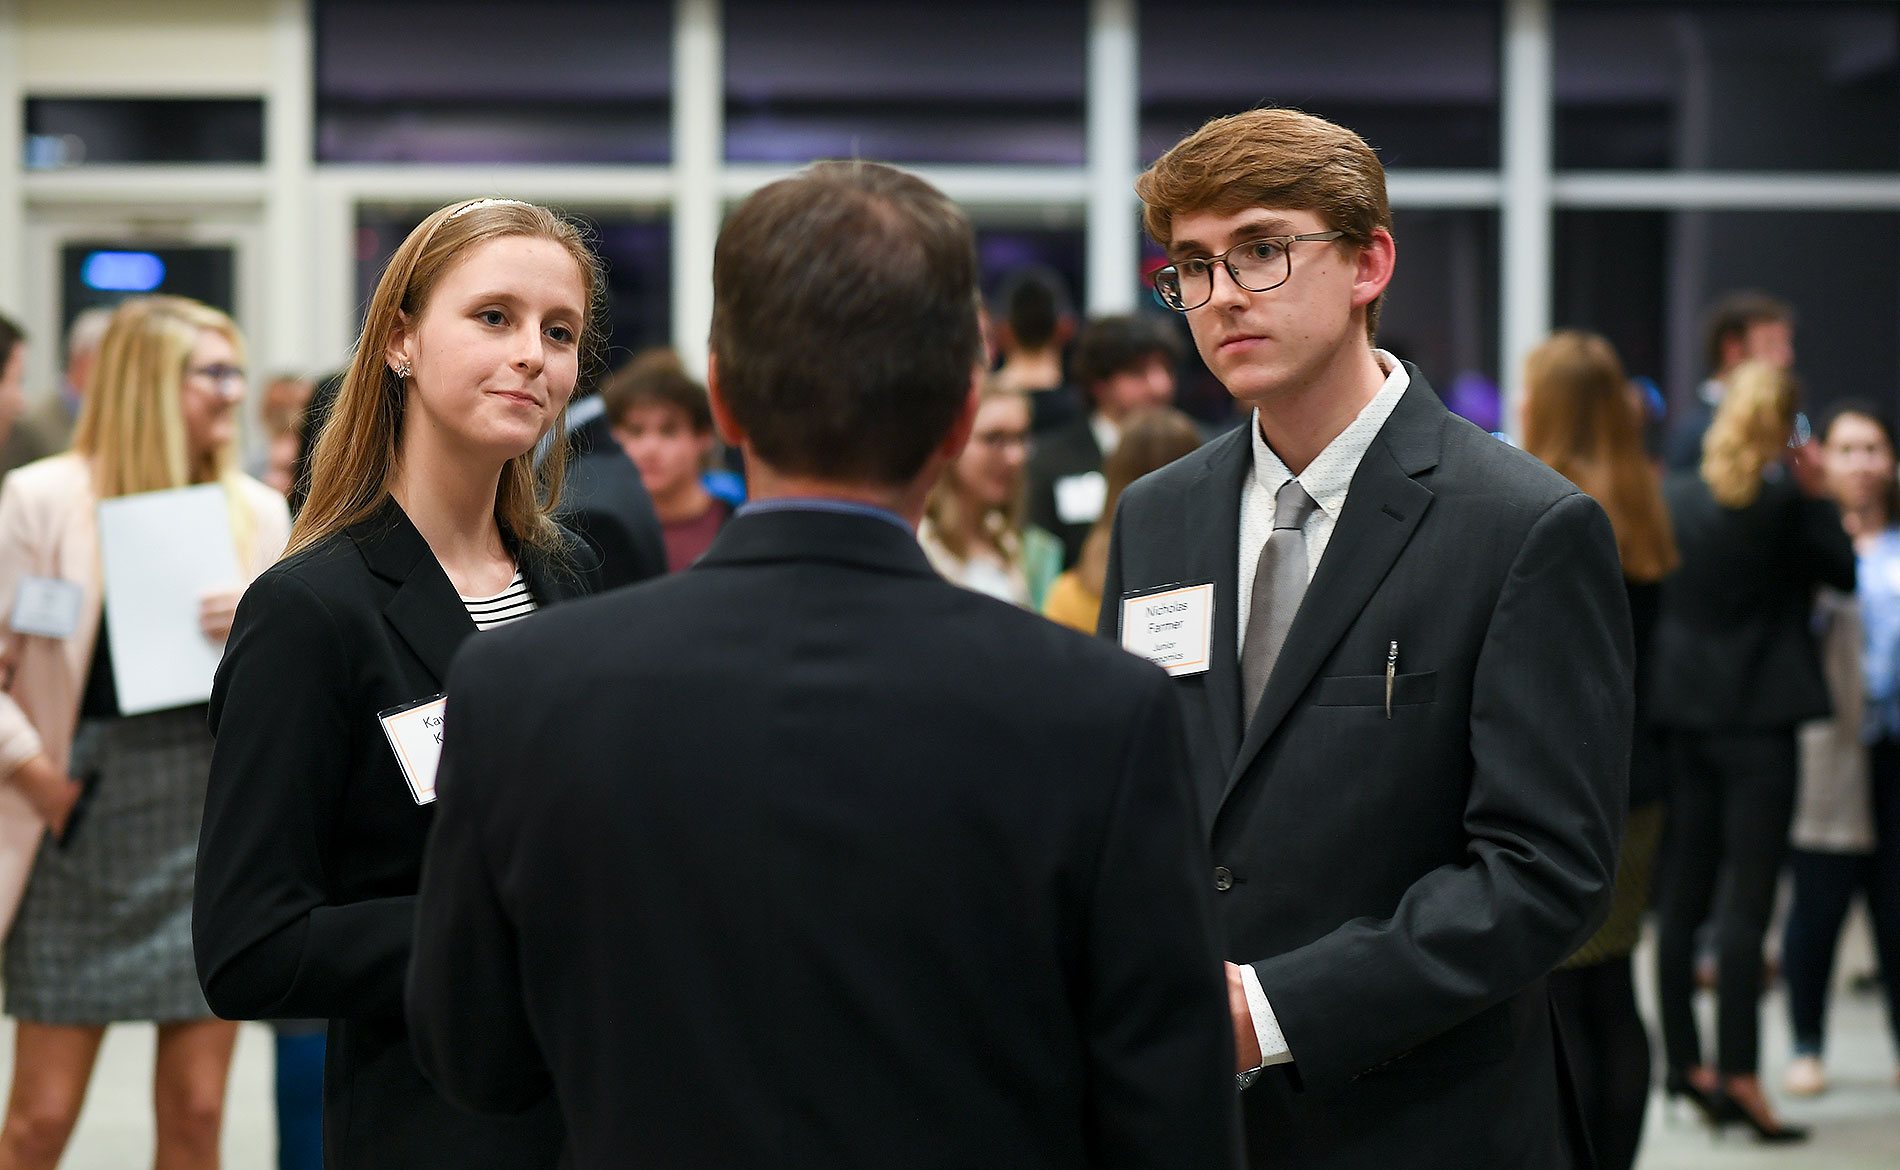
(1080, 498)
(415, 735)
(1172, 628)
(46, 606)
(162, 552)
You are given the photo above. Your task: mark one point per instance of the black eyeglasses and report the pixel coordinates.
(1256, 265)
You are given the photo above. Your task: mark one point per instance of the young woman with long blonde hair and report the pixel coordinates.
(1736, 670)
(428, 519)
(103, 932)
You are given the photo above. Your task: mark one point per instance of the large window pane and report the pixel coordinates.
(981, 81)
(1419, 81)
(67, 132)
(1645, 278)
(1730, 86)
(489, 81)
(636, 250)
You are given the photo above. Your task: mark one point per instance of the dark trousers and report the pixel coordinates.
(1730, 799)
(1824, 885)
(1607, 1046)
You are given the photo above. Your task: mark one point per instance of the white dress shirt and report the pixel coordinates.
(1327, 480)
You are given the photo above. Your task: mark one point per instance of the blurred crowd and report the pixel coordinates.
(1760, 545)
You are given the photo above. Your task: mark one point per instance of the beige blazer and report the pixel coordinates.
(1834, 808)
(48, 528)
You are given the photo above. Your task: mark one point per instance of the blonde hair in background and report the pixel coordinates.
(1750, 431)
(131, 426)
(944, 508)
(1151, 439)
(1582, 417)
(356, 454)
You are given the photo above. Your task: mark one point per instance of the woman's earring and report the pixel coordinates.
(403, 371)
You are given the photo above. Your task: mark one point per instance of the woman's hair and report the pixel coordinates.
(944, 508)
(1862, 409)
(357, 451)
(1151, 439)
(131, 424)
(1750, 431)
(1582, 417)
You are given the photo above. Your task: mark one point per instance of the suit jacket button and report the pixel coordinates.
(1223, 878)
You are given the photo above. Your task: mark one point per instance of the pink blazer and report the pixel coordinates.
(48, 529)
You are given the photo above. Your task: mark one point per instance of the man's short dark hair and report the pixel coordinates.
(845, 321)
(1733, 316)
(1111, 345)
(656, 376)
(1034, 301)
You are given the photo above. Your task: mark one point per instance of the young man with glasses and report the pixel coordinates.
(1410, 729)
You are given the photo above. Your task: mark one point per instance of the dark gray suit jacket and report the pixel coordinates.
(1401, 883)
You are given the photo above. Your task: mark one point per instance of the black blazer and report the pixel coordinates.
(1735, 649)
(900, 876)
(312, 843)
(1401, 883)
(603, 499)
(1067, 450)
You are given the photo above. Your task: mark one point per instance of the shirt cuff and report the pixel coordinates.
(1266, 1026)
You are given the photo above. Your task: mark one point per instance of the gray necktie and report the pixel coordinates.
(1279, 581)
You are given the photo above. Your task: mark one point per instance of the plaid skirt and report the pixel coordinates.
(104, 929)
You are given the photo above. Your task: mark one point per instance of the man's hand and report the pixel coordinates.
(1246, 1040)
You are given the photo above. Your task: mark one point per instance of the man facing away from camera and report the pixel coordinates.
(1409, 702)
(804, 857)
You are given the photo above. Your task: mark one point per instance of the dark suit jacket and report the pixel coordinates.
(1682, 445)
(1402, 883)
(1735, 648)
(312, 843)
(1067, 450)
(603, 499)
(900, 876)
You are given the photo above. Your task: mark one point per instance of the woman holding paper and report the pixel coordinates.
(103, 930)
(427, 520)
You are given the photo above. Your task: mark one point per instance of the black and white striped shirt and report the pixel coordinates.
(510, 605)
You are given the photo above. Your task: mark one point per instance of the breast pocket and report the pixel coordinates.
(1368, 690)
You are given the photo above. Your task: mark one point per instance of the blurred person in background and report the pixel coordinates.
(1735, 670)
(1583, 417)
(661, 419)
(1032, 323)
(973, 529)
(1846, 836)
(1123, 364)
(48, 427)
(103, 932)
(280, 417)
(1151, 439)
(603, 498)
(1741, 327)
(12, 376)
(428, 520)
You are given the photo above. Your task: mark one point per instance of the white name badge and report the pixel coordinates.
(1172, 627)
(46, 606)
(415, 735)
(1079, 498)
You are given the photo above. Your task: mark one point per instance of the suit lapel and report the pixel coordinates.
(1383, 509)
(425, 612)
(1218, 559)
